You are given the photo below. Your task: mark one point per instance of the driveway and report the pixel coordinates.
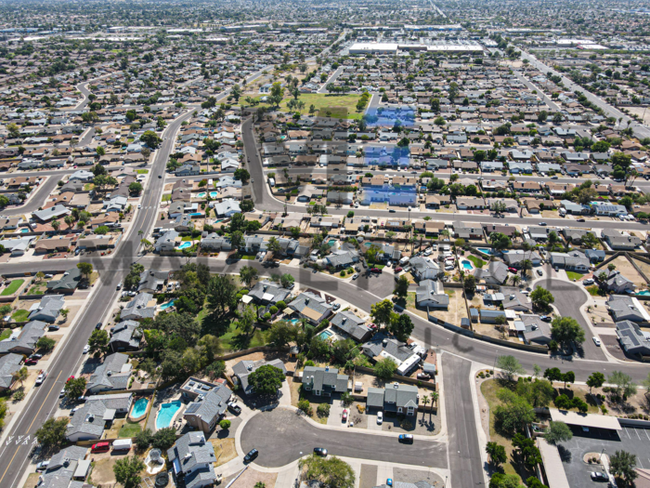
(281, 427)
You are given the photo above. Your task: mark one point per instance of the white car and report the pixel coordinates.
(86, 349)
(355, 276)
(597, 341)
(380, 418)
(139, 206)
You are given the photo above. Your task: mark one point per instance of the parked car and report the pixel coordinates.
(512, 270)
(103, 446)
(234, 408)
(597, 341)
(344, 416)
(398, 269)
(86, 349)
(355, 276)
(599, 476)
(40, 378)
(546, 318)
(392, 210)
(62, 393)
(36, 356)
(543, 224)
(53, 328)
(406, 438)
(31, 362)
(423, 376)
(252, 454)
(375, 270)
(539, 272)
(119, 286)
(588, 281)
(42, 466)
(98, 325)
(336, 306)
(380, 418)
(320, 451)
(580, 220)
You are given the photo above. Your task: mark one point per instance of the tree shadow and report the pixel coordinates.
(241, 341)
(565, 454)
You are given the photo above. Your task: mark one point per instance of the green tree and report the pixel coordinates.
(541, 298)
(21, 375)
(385, 368)
(595, 380)
(330, 471)
(401, 287)
(273, 246)
(539, 393)
(248, 275)
(242, 174)
(222, 298)
(514, 413)
(98, 341)
(281, 334)
(286, 280)
(45, 344)
(625, 387)
(558, 432)
(527, 450)
(266, 380)
(510, 366)
(143, 439)
(497, 454)
(469, 284)
(501, 480)
(225, 424)
(401, 326)
(382, 312)
(135, 188)
(52, 433)
(75, 387)
(164, 439)
(86, 269)
(567, 331)
(151, 139)
(622, 465)
(500, 241)
(127, 471)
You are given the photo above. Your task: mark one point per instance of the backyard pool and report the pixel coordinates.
(185, 245)
(213, 194)
(325, 335)
(166, 414)
(643, 293)
(139, 408)
(196, 214)
(485, 250)
(467, 265)
(24, 230)
(165, 306)
(202, 194)
(295, 321)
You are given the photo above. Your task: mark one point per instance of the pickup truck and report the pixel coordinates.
(41, 377)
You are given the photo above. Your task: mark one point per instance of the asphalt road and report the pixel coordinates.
(37, 199)
(269, 430)
(15, 453)
(465, 461)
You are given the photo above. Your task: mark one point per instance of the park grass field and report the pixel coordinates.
(335, 106)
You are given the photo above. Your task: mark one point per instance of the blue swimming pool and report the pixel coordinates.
(184, 245)
(166, 414)
(165, 306)
(644, 293)
(139, 408)
(485, 250)
(213, 194)
(202, 194)
(196, 214)
(24, 230)
(325, 335)
(295, 321)
(467, 265)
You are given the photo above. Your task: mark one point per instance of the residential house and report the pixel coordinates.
(208, 408)
(633, 340)
(495, 274)
(141, 306)
(536, 331)
(394, 398)
(615, 282)
(126, 335)
(112, 374)
(517, 301)
(623, 307)
(424, 268)
(514, 258)
(9, 364)
(431, 294)
(152, 281)
(23, 340)
(572, 260)
(267, 292)
(383, 346)
(243, 369)
(311, 307)
(67, 284)
(619, 241)
(48, 309)
(355, 327)
(192, 459)
(324, 381)
(342, 259)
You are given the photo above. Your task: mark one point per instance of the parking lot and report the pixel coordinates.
(633, 440)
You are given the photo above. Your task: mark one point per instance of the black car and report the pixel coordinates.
(320, 451)
(406, 438)
(252, 454)
(599, 476)
(98, 326)
(234, 408)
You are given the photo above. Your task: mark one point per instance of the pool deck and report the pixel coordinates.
(166, 395)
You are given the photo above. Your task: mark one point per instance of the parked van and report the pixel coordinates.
(103, 446)
(404, 260)
(122, 445)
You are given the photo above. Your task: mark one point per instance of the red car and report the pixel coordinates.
(375, 270)
(31, 362)
(512, 270)
(398, 269)
(344, 417)
(71, 378)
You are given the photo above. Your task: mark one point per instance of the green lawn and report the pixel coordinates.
(248, 257)
(20, 315)
(167, 197)
(142, 171)
(5, 334)
(339, 106)
(233, 340)
(129, 430)
(12, 288)
(574, 276)
(478, 262)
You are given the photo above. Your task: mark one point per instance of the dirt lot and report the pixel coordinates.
(251, 477)
(32, 480)
(644, 267)
(102, 471)
(456, 309)
(224, 450)
(290, 364)
(626, 269)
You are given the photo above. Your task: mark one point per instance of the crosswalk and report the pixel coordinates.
(21, 440)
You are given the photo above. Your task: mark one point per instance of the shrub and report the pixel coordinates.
(406, 424)
(309, 362)
(267, 316)
(273, 310)
(225, 424)
(323, 410)
(18, 395)
(281, 305)
(305, 406)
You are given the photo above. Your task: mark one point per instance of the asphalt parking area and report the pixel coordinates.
(633, 440)
(280, 427)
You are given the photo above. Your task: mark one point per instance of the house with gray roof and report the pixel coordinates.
(56, 212)
(311, 307)
(167, 241)
(9, 364)
(112, 374)
(125, 336)
(215, 242)
(495, 274)
(192, 459)
(351, 325)
(342, 259)
(431, 294)
(23, 341)
(324, 381)
(394, 398)
(152, 281)
(66, 469)
(243, 369)
(208, 408)
(67, 284)
(615, 282)
(267, 292)
(424, 268)
(633, 340)
(572, 260)
(574, 208)
(142, 306)
(382, 346)
(623, 307)
(514, 258)
(536, 331)
(517, 301)
(89, 422)
(619, 241)
(48, 309)
(120, 402)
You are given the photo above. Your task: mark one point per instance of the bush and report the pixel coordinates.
(323, 410)
(273, 310)
(225, 424)
(267, 316)
(406, 424)
(281, 305)
(309, 362)
(305, 406)
(18, 395)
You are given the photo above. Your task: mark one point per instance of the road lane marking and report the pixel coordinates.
(637, 433)
(646, 433)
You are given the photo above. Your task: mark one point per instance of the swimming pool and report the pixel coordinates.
(184, 245)
(139, 408)
(466, 264)
(202, 195)
(165, 306)
(295, 321)
(166, 414)
(644, 293)
(195, 214)
(485, 250)
(213, 194)
(325, 335)
(24, 230)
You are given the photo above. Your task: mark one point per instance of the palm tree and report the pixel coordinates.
(515, 280)
(434, 397)
(425, 401)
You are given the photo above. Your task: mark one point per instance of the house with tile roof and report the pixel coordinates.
(311, 307)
